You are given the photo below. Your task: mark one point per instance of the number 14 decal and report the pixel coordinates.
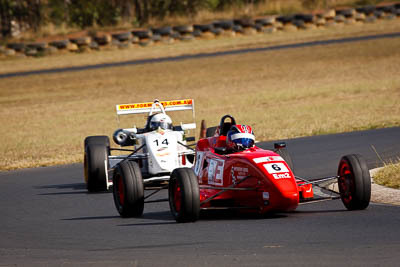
(165, 142)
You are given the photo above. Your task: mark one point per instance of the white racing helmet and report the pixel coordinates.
(160, 120)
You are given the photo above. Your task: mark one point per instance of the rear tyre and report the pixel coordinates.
(128, 189)
(97, 140)
(184, 195)
(354, 182)
(95, 167)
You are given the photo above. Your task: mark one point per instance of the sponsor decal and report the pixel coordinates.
(285, 175)
(268, 159)
(216, 171)
(238, 173)
(163, 154)
(149, 104)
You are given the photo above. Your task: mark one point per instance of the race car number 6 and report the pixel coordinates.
(276, 167)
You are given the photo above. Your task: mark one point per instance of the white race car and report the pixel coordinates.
(158, 148)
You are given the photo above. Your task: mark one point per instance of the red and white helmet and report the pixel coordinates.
(240, 137)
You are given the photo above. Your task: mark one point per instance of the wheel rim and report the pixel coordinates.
(120, 191)
(346, 184)
(177, 197)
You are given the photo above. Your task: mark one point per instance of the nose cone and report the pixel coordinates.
(289, 201)
(286, 195)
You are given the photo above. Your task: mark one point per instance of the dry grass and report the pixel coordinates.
(282, 94)
(198, 46)
(204, 16)
(389, 176)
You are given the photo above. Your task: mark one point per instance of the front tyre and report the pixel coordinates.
(128, 189)
(354, 182)
(184, 195)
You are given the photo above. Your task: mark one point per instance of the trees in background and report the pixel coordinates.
(27, 12)
(33, 14)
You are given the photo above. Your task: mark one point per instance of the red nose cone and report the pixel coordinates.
(290, 201)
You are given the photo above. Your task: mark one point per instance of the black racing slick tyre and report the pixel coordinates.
(97, 140)
(128, 189)
(96, 152)
(184, 195)
(354, 182)
(96, 167)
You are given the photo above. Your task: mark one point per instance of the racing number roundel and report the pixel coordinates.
(275, 167)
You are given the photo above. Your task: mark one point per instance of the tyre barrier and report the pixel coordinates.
(143, 34)
(268, 21)
(245, 23)
(164, 31)
(225, 27)
(347, 13)
(224, 24)
(306, 18)
(37, 46)
(17, 47)
(203, 27)
(184, 29)
(62, 44)
(217, 31)
(123, 37)
(156, 38)
(366, 10)
(81, 41)
(286, 19)
(103, 39)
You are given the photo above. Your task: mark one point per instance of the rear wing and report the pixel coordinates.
(160, 106)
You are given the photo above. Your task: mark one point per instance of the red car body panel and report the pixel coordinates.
(261, 179)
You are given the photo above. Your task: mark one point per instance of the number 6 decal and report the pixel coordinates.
(276, 167)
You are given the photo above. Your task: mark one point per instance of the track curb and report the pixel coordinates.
(383, 194)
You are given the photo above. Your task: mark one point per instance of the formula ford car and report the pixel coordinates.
(230, 172)
(158, 148)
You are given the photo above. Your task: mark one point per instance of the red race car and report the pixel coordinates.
(230, 172)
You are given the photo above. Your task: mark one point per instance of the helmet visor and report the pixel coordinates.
(243, 143)
(162, 124)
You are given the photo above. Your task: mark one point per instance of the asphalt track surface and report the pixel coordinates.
(201, 55)
(48, 219)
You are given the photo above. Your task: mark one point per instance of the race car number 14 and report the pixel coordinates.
(164, 142)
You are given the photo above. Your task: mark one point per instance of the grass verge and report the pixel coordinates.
(389, 175)
(113, 54)
(282, 94)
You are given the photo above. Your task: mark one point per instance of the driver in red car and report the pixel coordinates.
(239, 138)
